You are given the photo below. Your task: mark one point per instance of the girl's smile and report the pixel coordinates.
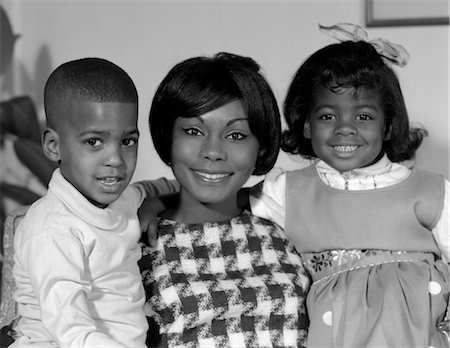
(346, 148)
(346, 127)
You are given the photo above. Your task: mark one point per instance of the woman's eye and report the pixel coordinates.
(236, 136)
(94, 142)
(192, 131)
(129, 142)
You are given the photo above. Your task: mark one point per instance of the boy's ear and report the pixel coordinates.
(50, 144)
(307, 130)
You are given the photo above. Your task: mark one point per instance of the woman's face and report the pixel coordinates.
(213, 155)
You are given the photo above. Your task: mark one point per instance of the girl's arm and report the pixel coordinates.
(441, 232)
(268, 200)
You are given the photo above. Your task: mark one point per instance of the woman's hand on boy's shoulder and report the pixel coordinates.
(148, 213)
(148, 218)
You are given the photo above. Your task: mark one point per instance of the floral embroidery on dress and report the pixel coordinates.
(317, 262)
(370, 252)
(342, 256)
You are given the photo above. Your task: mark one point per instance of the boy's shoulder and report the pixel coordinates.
(44, 210)
(129, 201)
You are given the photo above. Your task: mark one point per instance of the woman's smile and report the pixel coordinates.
(212, 177)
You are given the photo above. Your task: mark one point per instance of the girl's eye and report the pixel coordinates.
(129, 142)
(94, 142)
(364, 117)
(327, 117)
(236, 136)
(192, 131)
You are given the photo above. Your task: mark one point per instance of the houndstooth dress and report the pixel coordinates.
(236, 283)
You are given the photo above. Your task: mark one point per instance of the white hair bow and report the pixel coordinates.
(393, 53)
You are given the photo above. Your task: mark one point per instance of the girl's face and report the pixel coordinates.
(213, 155)
(347, 129)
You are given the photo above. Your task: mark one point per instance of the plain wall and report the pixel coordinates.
(148, 37)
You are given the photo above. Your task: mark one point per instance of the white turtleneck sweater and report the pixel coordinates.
(78, 282)
(270, 203)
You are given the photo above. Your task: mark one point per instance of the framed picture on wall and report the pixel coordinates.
(387, 13)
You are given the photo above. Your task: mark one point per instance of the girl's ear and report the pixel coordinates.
(387, 132)
(307, 130)
(50, 144)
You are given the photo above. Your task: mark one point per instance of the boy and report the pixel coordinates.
(76, 251)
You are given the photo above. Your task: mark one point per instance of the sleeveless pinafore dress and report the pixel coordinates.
(378, 280)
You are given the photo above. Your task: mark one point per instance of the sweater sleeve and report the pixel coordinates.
(441, 231)
(269, 202)
(158, 187)
(58, 276)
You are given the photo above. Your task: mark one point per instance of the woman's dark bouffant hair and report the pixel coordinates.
(202, 84)
(353, 64)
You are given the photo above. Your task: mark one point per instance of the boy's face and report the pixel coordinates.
(98, 148)
(346, 129)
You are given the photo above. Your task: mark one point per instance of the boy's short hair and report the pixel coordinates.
(87, 79)
(202, 84)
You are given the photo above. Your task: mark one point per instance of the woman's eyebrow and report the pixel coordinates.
(230, 122)
(236, 120)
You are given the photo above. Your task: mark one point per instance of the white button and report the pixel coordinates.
(327, 318)
(434, 288)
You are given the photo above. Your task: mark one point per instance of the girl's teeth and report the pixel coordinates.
(346, 148)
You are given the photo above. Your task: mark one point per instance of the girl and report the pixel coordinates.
(219, 276)
(372, 232)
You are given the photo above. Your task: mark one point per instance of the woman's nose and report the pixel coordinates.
(213, 149)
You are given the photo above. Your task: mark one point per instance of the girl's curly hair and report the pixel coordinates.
(349, 64)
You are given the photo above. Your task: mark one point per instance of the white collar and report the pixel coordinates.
(383, 166)
(106, 218)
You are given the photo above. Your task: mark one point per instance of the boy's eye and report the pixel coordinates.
(94, 142)
(236, 136)
(192, 131)
(129, 142)
(364, 117)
